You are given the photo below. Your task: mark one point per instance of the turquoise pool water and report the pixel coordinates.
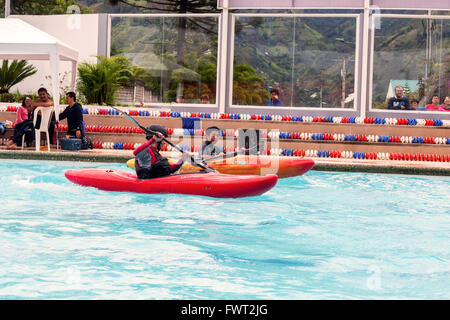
(320, 236)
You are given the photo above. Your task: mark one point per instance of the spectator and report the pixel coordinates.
(74, 115)
(447, 103)
(45, 101)
(274, 100)
(414, 104)
(180, 99)
(5, 124)
(24, 125)
(204, 99)
(399, 102)
(148, 161)
(434, 105)
(208, 148)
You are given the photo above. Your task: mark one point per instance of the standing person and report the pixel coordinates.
(399, 102)
(434, 105)
(44, 101)
(74, 115)
(149, 163)
(274, 99)
(209, 148)
(24, 125)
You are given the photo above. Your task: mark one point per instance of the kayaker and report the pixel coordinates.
(148, 161)
(208, 148)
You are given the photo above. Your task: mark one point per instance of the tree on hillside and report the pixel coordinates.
(248, 87)
(178, 6)
(42, 7)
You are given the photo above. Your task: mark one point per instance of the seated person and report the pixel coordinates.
(204, 99)
(74, 115)
(208, 148)
(274, 100)
(24, 126)
(45, 101)
(148, 161)
(399, 102)
(434, 105)
(414, 104)
(180, 99)
(5, 124)
(447, 103)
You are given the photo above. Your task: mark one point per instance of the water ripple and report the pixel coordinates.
(325, 235)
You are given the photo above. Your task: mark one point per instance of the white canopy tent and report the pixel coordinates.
(22, 41)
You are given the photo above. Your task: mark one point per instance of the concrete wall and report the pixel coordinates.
(85, 33)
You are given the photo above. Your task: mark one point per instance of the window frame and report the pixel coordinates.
(175, 15)
(387, 112)
(357, 83)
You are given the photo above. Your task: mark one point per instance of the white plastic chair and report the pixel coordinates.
(46, 115)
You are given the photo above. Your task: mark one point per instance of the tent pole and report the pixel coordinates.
(54, 62)
(74, 75)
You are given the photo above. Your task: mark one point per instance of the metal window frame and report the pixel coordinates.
(357, 84)
(220, 58)
(387, 112)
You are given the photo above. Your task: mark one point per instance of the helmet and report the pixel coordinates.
(156, 128)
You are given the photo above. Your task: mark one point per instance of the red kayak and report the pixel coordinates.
(211, 184)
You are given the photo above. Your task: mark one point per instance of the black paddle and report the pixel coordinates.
(203, 166)
(227, 155)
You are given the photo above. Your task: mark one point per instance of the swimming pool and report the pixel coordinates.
(319, 236)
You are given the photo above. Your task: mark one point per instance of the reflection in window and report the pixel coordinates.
(310, 61)
(413, 54)
(176, 57)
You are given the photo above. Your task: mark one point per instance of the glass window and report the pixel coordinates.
(412, 55)
(310, 61)
(176, 57)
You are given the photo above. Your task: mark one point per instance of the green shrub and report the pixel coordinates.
(6, 97)
(98, 82)
(12, 74)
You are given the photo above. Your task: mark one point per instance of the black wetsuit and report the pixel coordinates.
(150, 164)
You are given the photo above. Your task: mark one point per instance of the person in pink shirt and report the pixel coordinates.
(434, 105)
(23, 125)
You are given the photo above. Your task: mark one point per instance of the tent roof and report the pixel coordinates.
(20, 40)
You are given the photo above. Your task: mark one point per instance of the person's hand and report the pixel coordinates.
(78, 134)
(159, 136)
(402, 107)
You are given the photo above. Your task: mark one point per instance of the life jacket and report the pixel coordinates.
(144, 158)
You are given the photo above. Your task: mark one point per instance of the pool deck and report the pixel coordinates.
(343, 165)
